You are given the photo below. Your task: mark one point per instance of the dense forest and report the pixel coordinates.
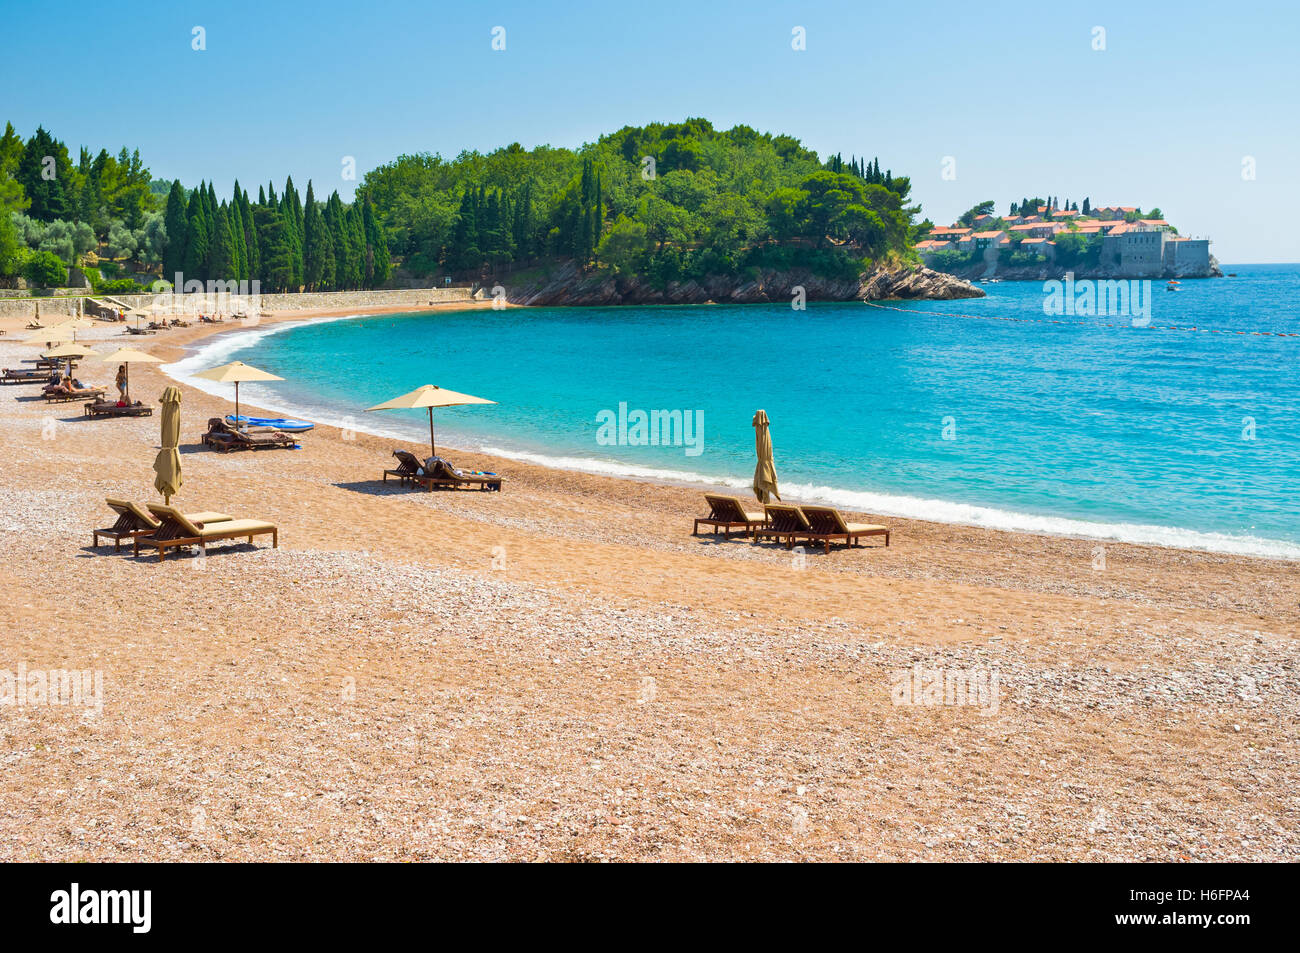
(666, 200)
(669, 201)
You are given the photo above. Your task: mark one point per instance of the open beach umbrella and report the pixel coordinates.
(72, 324)
(765, 472)
(430, 396)
(167, 465)
(233, 373)
(129, 356)
(50, 336)
(69, 351)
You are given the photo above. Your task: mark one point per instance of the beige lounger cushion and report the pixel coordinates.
(212, 528)
(864, 528)
(235, 528)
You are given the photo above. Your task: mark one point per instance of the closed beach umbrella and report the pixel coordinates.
(234, 373)
(429, 396)
(129, 356)
(69, 351)
(765, 472)
(167, 465)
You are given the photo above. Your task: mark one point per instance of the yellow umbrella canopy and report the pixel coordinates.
(765, 471)
(69, 351)
(53, 335)
(429, 396)
(129, 356)
(167, 465)
(234, 373)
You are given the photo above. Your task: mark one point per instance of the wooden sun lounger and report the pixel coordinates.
(444, 476)
(726, 513)
(830, 526)
(25, 375)
(177, 529)
(785, 523)
(134, 520)
(408, 467)
(102, 409)
(89, 393)
(820, 524)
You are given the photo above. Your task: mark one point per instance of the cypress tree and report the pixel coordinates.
(313, 250)
(357, 267)
(222, 263)
(196, 245)
(176, 222)
(378, 262)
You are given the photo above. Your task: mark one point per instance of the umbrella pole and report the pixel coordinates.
(236, 405)
(433, 450)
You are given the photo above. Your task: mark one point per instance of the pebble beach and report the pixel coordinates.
(561, 671)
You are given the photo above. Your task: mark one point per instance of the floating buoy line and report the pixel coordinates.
(1086, 324)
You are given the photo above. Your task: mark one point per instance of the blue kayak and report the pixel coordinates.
(279, 423)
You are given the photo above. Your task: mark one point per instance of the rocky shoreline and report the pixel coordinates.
(567, 286)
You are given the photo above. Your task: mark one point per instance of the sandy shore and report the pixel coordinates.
(561, 671)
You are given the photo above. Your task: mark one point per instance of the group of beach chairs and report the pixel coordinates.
(166, 527)
(435, 473)
(225, 439)
(785, 523)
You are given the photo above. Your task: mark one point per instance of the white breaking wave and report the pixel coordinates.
(861, 501)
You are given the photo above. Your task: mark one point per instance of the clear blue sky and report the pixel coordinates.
(1013, 91)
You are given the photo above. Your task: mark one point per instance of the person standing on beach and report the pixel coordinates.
(121, 382)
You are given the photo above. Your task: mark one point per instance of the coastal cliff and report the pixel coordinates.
(566, 285)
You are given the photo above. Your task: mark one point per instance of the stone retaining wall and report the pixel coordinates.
(323, 300)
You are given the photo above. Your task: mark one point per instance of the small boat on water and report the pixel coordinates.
(1172, 286)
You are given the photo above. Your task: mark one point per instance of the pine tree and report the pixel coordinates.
(47, 195)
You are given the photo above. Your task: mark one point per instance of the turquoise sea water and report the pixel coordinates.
(1146, 434)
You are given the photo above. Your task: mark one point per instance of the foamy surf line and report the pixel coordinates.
(862, 501)
(936, 511)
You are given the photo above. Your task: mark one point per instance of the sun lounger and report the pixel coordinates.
(177, 529)
(408, 467)
(86, 393)
(25, 375)
(726, 513)
(224, 438)
(102, 408)
(438, 473)
(819, 524)
(134, 520)
(785, 523)
(829, 526)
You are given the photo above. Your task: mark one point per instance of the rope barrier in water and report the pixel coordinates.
(1086, 324)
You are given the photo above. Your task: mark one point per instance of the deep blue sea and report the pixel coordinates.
(978, 411)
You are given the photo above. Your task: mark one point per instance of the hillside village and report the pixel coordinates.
(1036, 241)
